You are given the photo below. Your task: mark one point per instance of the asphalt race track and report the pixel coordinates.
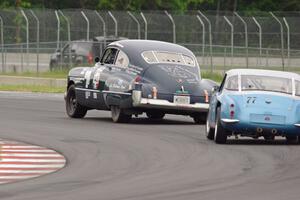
(149, 160)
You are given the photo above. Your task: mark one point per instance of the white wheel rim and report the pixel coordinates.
(207, 127)
(216, 130)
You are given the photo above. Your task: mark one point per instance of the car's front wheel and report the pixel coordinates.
(209, 131)
(73, 108)
(118, 115)
(155, 115)
(220, 133)
(200, 118)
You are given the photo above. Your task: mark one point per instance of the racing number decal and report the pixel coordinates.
(251, 100)
(87, 77)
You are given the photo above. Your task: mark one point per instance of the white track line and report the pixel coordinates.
(31, 166)
(32, 155)
(27, 150)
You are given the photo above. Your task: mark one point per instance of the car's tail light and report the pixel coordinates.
(154, 93)
(138, 79)
(206, 96)
(90, 58)
(232, 113)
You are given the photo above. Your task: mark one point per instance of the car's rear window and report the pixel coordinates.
(297, 88)
(167, 57)
(266, 83)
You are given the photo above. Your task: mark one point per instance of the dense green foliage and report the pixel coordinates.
(179, 5)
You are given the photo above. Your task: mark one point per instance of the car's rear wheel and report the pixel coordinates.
(220, 133)
(155, 115)
(209, 131)
(118, 115)
(291, 138)
(200, 118)
(73, 108)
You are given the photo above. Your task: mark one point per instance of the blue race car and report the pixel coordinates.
(255, 103)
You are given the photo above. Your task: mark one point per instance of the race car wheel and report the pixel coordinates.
(73, 108)
(220, 133)
(118, 116)
(291, 138)
(200, 118)
(155, 115)
(209, 131)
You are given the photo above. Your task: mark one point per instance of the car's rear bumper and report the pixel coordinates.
(254, 128)
(140, 102)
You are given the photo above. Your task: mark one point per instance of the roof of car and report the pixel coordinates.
(263, 73)
(139, 46)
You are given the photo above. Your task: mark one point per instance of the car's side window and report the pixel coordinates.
(297, 88)
(232, 83)
(122, 60)
(109, 56)
(222, 84)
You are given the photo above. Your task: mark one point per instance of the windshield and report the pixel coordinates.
(266, 83)
(167, 57)
(297, 88)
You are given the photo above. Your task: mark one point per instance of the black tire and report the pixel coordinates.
(291, 139)
(155, 115)
(200, 118)
(220, 133)
(73, 108)
(210, 132)
(118, 116)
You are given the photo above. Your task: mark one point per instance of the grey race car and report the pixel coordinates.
(140, 76)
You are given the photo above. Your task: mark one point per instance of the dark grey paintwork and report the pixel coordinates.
(117, 83)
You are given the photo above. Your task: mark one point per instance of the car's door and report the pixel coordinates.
(68, 53)
(214, 100)
(95, 78)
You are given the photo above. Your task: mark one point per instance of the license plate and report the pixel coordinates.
(267, 119)
(181, 100)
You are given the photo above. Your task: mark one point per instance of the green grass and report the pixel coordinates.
(50, 74)
(218, 77)
(32, 88)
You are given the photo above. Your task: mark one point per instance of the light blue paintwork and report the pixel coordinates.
(256, 109)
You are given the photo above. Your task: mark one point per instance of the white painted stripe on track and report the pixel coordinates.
(28, 150)
(18, 177)
(31, 160)
(20, 146)
(27, 171)
(31, 166)
(32, 155)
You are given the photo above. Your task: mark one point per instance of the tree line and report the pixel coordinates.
(174, 5)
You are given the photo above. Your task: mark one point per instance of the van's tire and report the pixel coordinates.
(73, 108)
(210, 132)
(118, 115)
(155, 115)
(220, 136)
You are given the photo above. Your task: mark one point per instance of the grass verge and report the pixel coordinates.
(49, 74)
(32, 88)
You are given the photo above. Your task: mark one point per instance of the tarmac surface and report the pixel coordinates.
(170, 159)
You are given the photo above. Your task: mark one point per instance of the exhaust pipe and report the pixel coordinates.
(274, 131)
(259, 130)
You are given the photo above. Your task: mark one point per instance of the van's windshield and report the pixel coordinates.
(152, 57)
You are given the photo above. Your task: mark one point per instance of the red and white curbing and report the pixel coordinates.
(19, 161)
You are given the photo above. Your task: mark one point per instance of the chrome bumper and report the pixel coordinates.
(230, 121)
(138, 101)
